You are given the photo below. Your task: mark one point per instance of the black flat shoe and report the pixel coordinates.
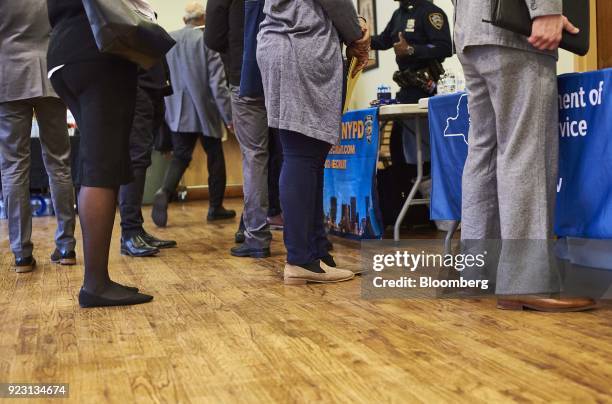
(25, 264)
(157, 243)
(130, 288)
(159, 214)
(135, 246)
(245, 251)
(220, 214)
(87, 300)
(63, 257)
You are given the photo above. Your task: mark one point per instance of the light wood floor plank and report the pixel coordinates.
(226, 330)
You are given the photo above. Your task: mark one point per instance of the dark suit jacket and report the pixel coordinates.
(225, 33)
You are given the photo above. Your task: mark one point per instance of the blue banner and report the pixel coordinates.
(584, 201)
(350, 199)
(449, 125)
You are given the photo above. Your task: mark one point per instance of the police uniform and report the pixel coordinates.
(426, 29)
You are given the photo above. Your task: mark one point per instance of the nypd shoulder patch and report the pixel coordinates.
(436, 20)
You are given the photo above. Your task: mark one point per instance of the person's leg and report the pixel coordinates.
(102, 95)
(299, 180)
(15, 128)
(320, 242)
(524, 94)
(51, 116)
(480, 212)
(141, 144)
(183, 145)
(299, 183)
(135, 241)
(274, 169)
(217, 179)
(250, 122)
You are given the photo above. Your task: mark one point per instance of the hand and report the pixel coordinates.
(230, 128)
(402, 46)
(365, 42)
(363, 58)
(547, 31)
(360, 49)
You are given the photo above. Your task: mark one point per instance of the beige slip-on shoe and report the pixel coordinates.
(295, 275)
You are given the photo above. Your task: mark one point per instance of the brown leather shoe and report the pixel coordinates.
(295, 275)
(550, 305)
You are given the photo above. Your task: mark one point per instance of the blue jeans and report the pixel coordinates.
(301, 195)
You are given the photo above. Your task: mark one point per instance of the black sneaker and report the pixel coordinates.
(25, 264)
(135, 246)
(245, 251)
(157, 243)
(63, 257)
(220, 214)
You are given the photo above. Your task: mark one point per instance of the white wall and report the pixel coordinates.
(170, 12)
(171, 17)
(366, 88)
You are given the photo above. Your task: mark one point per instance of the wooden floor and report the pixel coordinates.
(223, 329)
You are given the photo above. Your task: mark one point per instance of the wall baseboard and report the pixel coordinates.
(199, 193)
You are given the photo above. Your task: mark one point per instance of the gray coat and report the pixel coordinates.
(470, 29)
(201, 99)
(299, 54)
(23, 61)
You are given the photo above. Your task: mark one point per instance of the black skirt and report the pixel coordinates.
(101, 95)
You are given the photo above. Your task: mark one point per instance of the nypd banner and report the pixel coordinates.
(350, 200)
(584, 203)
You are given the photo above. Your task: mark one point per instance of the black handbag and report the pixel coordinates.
(514, 15)
(121, 31)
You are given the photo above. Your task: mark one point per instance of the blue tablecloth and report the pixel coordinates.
(449, 124)
(584, 205)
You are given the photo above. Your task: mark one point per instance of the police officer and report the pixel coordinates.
(419, 33)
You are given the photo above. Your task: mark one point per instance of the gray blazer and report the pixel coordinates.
(470, 29)
(24, 39)
(299, 55)
(201, 99)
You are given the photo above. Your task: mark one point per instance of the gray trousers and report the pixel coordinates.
(510, 176)
(15, 130)
(251, 124)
